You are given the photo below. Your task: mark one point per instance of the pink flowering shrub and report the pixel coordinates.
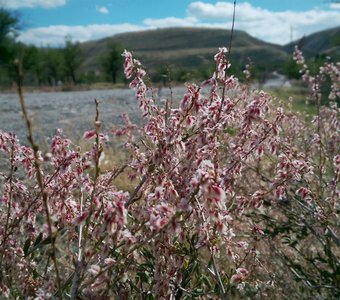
(302, 228)
(212, 173)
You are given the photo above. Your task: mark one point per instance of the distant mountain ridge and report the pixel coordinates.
(326, 42)
(189, 48)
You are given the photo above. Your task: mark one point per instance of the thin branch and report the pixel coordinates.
(132, 198)
(39, 174)
(84, 237)
(228, 60)
(9, 204)
(216, 273)
(232, 31)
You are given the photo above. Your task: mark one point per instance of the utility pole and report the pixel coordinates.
(291, 33)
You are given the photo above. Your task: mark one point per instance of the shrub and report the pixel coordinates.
(215, 179)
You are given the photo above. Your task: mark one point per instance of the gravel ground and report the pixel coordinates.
(74, 112)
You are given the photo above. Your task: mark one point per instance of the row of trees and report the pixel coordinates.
(58, 66)
(49, 66)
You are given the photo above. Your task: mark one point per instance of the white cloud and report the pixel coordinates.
(335, 5)
(170, 22)
(55, 35)
(102, 9)
(271, 26)
(32, 3)
(220, 10)
(267, 25)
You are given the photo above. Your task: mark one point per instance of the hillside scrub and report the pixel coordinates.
(231, 196)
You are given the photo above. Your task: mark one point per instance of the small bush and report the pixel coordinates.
(231, 195)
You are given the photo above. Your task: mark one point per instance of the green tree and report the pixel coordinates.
(161, 74)
(53, 65)
(112, 62)
(30, 60)
(72, 59)
(292, 69)
(9, 23)
(32, 64)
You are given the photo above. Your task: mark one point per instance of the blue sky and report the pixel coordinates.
(47, 22)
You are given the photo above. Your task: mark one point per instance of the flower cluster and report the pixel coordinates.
(201, 170)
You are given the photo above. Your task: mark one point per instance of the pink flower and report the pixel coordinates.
(80, 220)
(89, 134)
(216, 196)
(304, 193)
(94, 269)
(241, 275)
(128, 64)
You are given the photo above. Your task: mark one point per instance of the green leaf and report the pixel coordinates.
(38, 239)
(206, 281)
(144, 277)
(35, 274)
(230, 130)
(293, 243)
(26, 246)
(147, 254)
(42, 243)
(216, 289)
(199, 292)
(194, 239)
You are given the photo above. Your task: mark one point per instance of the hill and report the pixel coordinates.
(193, 48)
(322, 43)
(186, 48)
